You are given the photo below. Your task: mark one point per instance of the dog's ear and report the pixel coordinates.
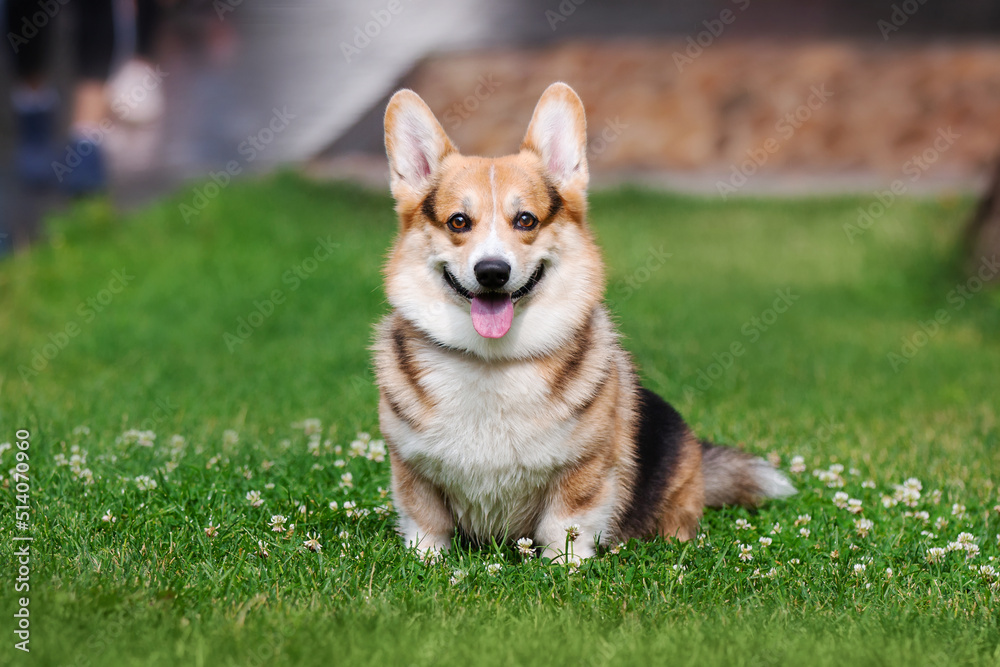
(415, 143)
(558, 135)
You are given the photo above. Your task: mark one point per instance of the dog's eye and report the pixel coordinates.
(459, 223)
(525, 221)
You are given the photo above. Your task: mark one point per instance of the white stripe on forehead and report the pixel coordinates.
(492, 246)
(493, 191)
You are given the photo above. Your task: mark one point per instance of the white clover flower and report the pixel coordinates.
(302, 509)
(456, 577)
(230, 437)
(746, 552)
(868, 484)
(574, 562)
(804, 532)
(935, 496)
(859, 568)
(277, 523)
(776, 528)
(928, 534)
(339, 463)
(137, 437)
(313, 446)
(617, 549)
(525, 547)
(312, 426)
(795, 561)
(765, 541)
(347, 481)
(840, 499)
(743, 524)
(908, 492)
(109, 517)
(802, 520)
(854, 506)
(312, 543)
(145, 483)
(357, 448)
(177, 442)
(888, 501)
(832, 477)
(382, 493)
(921, 516)
(798, 464)
(253, 497)
(573, 532)
(333, 505)
(958, 511)
(935, 555)
(262, 549)
(863, 526)
(888, 573)
(494, 568)
(343, 534)
(940, 523)
(377, 451)
(81, 430)
(210, 530)
(269, 486)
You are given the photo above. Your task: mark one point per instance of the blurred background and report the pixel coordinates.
(129, 99)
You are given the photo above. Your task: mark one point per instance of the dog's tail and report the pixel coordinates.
(733, 477)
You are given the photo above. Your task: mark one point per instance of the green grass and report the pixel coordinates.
(151, 588)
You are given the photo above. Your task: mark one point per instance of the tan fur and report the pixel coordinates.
(684, 499)
(536, 431)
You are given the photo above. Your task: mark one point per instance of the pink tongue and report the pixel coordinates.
(492, 315)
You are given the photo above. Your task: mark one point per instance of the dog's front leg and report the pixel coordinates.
(578, 516)
(424, 520)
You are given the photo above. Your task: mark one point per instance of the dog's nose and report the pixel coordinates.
(492, 273)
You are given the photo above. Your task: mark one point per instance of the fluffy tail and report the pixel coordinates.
(733, 477)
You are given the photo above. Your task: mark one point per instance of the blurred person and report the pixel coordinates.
(30, 31)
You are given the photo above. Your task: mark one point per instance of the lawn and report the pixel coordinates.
(185, 382)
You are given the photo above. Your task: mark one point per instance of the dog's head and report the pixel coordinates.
(494, 255)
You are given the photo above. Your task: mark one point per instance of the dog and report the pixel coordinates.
(508, 405)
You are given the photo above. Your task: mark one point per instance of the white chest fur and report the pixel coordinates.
(489, 444)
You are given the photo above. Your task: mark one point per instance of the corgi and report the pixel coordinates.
(508, 405)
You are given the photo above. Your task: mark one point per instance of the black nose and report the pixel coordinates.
(492, 273)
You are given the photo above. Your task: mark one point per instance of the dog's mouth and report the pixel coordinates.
(493, 310)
